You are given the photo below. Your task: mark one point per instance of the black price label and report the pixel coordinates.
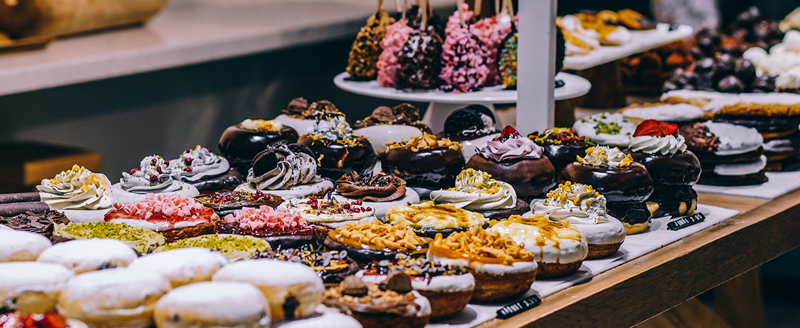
(559, 83)
(513, 309)
(685, 221)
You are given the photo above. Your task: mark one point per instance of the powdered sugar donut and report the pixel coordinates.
(213, 304)
(183, 266)
(89, 255)
(118, 298)
(326, 318)
(31, 287)
(293, 290)
(21, 245)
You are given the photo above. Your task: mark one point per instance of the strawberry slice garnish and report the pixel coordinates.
(508, 132)
(655, 128)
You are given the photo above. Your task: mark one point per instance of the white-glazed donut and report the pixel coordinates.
(21, 245)
(118, 298)
(183, 266)
(89, 254)
(213, 304)
(281, 283)
(31, 287)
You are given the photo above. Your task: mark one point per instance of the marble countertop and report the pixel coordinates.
(186, 32)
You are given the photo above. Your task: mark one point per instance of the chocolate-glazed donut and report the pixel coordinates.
(673, 200)
(429, 168)
(564, 154)
(631, 184)
(239, 146)
(529, 177)
(336, 159)
(764, 124)
(674, 169)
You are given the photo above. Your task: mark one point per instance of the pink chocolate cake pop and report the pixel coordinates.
(392, 44)
(465, 61)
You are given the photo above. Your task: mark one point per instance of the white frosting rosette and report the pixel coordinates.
(154, 176)
(477, 191)
(602, 156)
(665, 145)
(294, 175)
(77, 189)
(198, 163)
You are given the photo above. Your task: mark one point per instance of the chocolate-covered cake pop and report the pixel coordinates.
(517, 160)
(338, 150)
(492, 31)
(367, 46)
(420, 61)
(241, 142)
(507, 61)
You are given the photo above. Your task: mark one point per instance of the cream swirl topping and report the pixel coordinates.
(652, 145)
(574, 202)
(512, 147)
(291, 168)
(77, 189)
(195, 164)
(477, 191)
(154, 175)
(603, 156)
(334, 129)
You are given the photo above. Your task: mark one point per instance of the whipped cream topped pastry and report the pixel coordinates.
(603, 156)
(585, 208)
(782, 61)
(198, 163)
(337, 149)
(329, 211)
(475, 191)
(557, 246)
(154, 175)
(656, 137)
(513, 146)
(77, 189)
(335, 129)
(429, 218)
(261, 125)
(611, 129)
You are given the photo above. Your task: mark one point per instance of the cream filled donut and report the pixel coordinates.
(31, 287)
(89, 255)
(213, 304)
(116, 298)
(558, 248)
(183, 266)
(326, 318)
(292, 290)
(21, 245)
(585, 209)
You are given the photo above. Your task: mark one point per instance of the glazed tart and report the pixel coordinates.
(518, 161)
(175, 216)
(476, 191)
(606, 129)
(281, 228)
(154, 175)
(585, 209)
(674, 169)
(379, 191)
(561, 146)
(41, 223)
(387, 125)
(338, 150)
(625, 184)
(206, 171)
(285, 170)
(557, 246)
(234, 247)
(424, 161)
(31, 287)
(332, 266)
(429, 219)
(142, 240)
(730, 155)
(240, 143)
(77, 189)
(501, 268)
(227, 201)
(374, 241)
(447, 288)
(391, 303)
(329, 212)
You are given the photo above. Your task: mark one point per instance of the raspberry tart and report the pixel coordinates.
(175, 216)
(280, 227)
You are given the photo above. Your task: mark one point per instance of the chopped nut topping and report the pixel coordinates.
(425, 141)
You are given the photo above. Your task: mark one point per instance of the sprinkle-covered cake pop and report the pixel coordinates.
(367, 46)
(392, 44)
(465, 61)
(420, 61)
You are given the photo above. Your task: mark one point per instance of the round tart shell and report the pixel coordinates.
(239, 146)
(430, 168)
(529, 177)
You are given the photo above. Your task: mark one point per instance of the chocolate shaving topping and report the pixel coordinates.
(296, 108)
(420, 61)
(699, 139)
(403, 114)
(320, 109)
(398, 282)
(371, 188)
(354, 286)
(42, 223)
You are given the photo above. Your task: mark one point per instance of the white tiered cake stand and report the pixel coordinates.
(444, 103)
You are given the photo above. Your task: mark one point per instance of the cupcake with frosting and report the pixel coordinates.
(611, 129)
(674, 168)
(558, 248)
(285, 170)
(337, 149)
(80, 193)
(476, 191)
(429, 219)
(240, 143)
(561, 146)
(624, 183)
(154, 175)
(518, 161)
(585, 208)
(425, 161)
(205, 170)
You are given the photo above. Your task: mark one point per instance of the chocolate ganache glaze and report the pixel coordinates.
(561, 146)
(517, 160)
(424, 161)
(240, 143)
(338, 150)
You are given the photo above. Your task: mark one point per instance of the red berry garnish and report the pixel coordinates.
(158, 169)
(369, 209)
(358, 202)
(187, 169)
(346, 206)
(509, 132)
(161, 180)
(187, 161)
(153, 178)
(655, 128)
(134, 171)
(154, 161)
(188, 151)
(166, 163)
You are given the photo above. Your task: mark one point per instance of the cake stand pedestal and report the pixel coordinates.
(441, 104)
